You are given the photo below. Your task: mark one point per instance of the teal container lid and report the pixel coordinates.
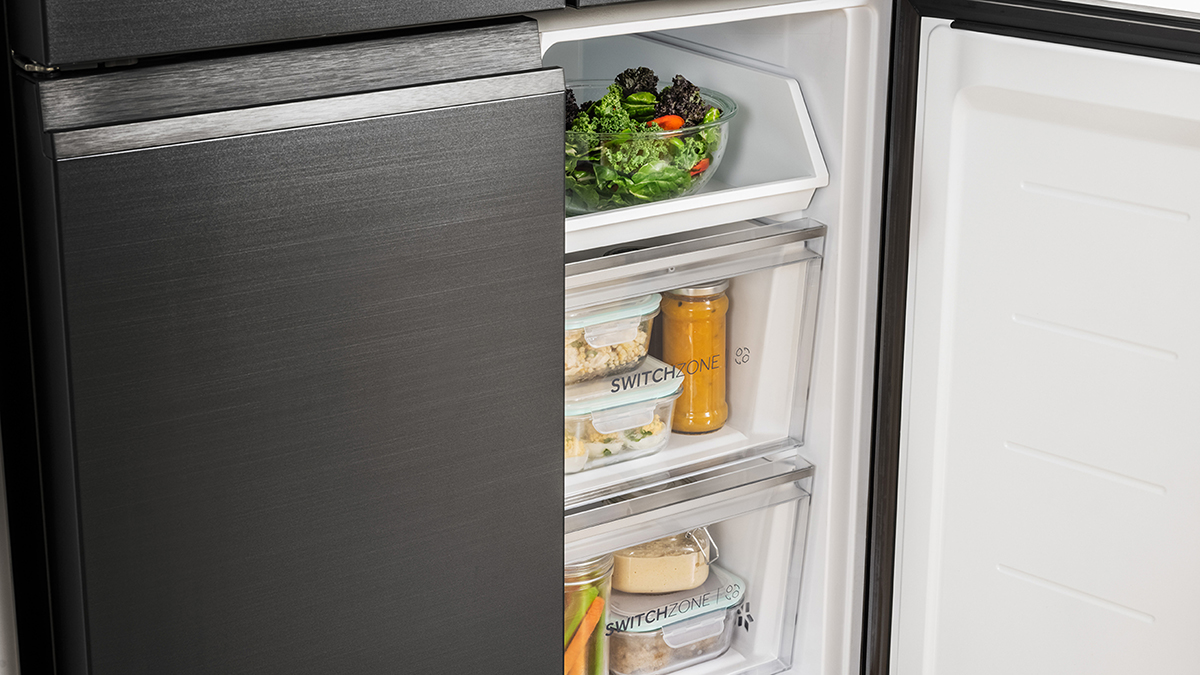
(683, 616)
(613, 311)
(650, 382)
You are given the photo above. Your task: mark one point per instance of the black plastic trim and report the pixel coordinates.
(1105, 28)
(1101, 27)
(1077, 41)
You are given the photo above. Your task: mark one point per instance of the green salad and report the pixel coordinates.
(636, 144)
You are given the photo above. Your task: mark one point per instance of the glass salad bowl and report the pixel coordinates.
(607, 171)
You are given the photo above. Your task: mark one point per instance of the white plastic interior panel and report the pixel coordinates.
(772, 163)
(1051, 486)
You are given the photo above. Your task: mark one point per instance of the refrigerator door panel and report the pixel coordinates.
(313, 385)
(58, 32)
(1045, 472)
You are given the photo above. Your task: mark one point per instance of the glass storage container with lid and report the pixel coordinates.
(656, 634)
(619, 418)
(608, 339)
(586, 592)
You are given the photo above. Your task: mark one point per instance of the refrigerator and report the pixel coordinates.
(281, 389)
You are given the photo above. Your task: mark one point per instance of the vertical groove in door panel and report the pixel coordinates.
(315, 379)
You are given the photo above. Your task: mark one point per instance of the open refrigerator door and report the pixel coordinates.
(785, 231)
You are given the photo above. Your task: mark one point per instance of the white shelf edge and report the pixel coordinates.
(606, 228)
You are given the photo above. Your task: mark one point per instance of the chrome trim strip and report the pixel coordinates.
(228, 123)
(740, 476)
(701, 258)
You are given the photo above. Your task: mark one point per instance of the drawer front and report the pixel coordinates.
(314, 386)
(55, 32)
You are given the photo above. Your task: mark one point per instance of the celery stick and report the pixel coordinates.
(601, 639)
(575, 617)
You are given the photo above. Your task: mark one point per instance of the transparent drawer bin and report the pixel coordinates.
(663, 633)
(608, 339)
(620, 418)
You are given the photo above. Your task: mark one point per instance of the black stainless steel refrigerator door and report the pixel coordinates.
(298, 383)
(67, 32)
(1034, 480)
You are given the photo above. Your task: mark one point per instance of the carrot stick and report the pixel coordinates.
(577, 668)
(581, 636)
(580, 601)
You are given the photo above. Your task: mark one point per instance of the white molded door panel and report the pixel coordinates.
(1050, 486)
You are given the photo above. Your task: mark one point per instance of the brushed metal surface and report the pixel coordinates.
(596, 3)
(85, 31)
(689, 262)
(92, 98)
(224, 124)
(316, 396)
(680, 484)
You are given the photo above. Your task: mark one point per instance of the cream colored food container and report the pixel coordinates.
(675, 563)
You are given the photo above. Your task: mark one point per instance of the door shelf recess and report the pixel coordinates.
(772, 164)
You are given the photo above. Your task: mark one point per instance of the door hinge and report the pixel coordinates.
(30, 66)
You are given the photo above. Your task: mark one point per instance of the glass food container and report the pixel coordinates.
(675, 563)
(623, 417)
(586, 590)
(608, 339)
(655, 634)
(611, 170)
(694, 341)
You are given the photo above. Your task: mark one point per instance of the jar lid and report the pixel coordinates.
(587, 570)
(590, 316)
(701, 291)
(652, 381)
(645, 613)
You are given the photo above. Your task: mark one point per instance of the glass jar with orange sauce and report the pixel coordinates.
(694, 342)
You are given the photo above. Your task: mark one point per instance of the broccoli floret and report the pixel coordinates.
(635, 80)
(682, 98)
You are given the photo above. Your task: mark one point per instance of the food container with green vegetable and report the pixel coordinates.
(620, 418)
(663, 633)
(627, 146)
(586, 588)
(608, 339)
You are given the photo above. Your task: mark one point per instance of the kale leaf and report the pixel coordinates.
(572, 107)
(682, 98)
(635, 80)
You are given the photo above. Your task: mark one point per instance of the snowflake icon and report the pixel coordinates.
(743, 616)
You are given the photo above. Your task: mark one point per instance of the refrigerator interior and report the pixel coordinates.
(795, 532)
(802, 67)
